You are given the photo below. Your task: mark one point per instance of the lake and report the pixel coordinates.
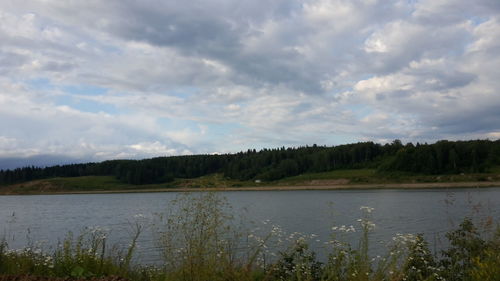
(47, 219)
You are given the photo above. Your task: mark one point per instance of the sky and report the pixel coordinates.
(113, 79)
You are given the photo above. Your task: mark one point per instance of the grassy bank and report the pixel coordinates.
(200, 240)
(111, 184)
(370, 176)
(338, 179)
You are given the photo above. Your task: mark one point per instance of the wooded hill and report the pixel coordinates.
(442, 157)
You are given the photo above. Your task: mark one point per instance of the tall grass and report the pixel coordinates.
(200, 240)
(81, 256)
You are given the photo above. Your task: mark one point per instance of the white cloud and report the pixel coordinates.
(153, 149)
(197, 77)
(31, 126)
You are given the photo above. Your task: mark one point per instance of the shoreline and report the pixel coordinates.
(389, 186)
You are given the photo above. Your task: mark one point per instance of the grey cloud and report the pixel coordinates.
(55, 66)
(217, 30)
(407, 42)
(472, 120)
(453, 80)
(440, 80)
(10, 61)
(204, 29)
(438, 13)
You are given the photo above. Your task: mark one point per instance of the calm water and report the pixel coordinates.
(48, 218)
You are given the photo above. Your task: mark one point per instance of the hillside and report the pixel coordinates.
(385, 163)
(338, 179)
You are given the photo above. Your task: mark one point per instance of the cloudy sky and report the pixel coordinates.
(108, 79)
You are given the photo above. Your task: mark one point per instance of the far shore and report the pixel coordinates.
(409, 186)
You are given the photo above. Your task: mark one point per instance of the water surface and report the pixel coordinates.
(48, 218)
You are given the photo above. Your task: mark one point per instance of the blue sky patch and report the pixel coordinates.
(84, 90)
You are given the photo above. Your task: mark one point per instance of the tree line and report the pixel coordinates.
(442, 157)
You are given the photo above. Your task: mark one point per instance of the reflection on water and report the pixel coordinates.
(48, 218)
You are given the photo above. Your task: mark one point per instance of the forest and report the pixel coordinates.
(442, 157)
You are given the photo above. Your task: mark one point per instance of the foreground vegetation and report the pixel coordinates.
(200, 240)
(268, 165)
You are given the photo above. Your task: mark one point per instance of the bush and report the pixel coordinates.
(297, 264)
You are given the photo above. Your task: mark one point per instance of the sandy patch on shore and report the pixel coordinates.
(329, 182)
(436, 185)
